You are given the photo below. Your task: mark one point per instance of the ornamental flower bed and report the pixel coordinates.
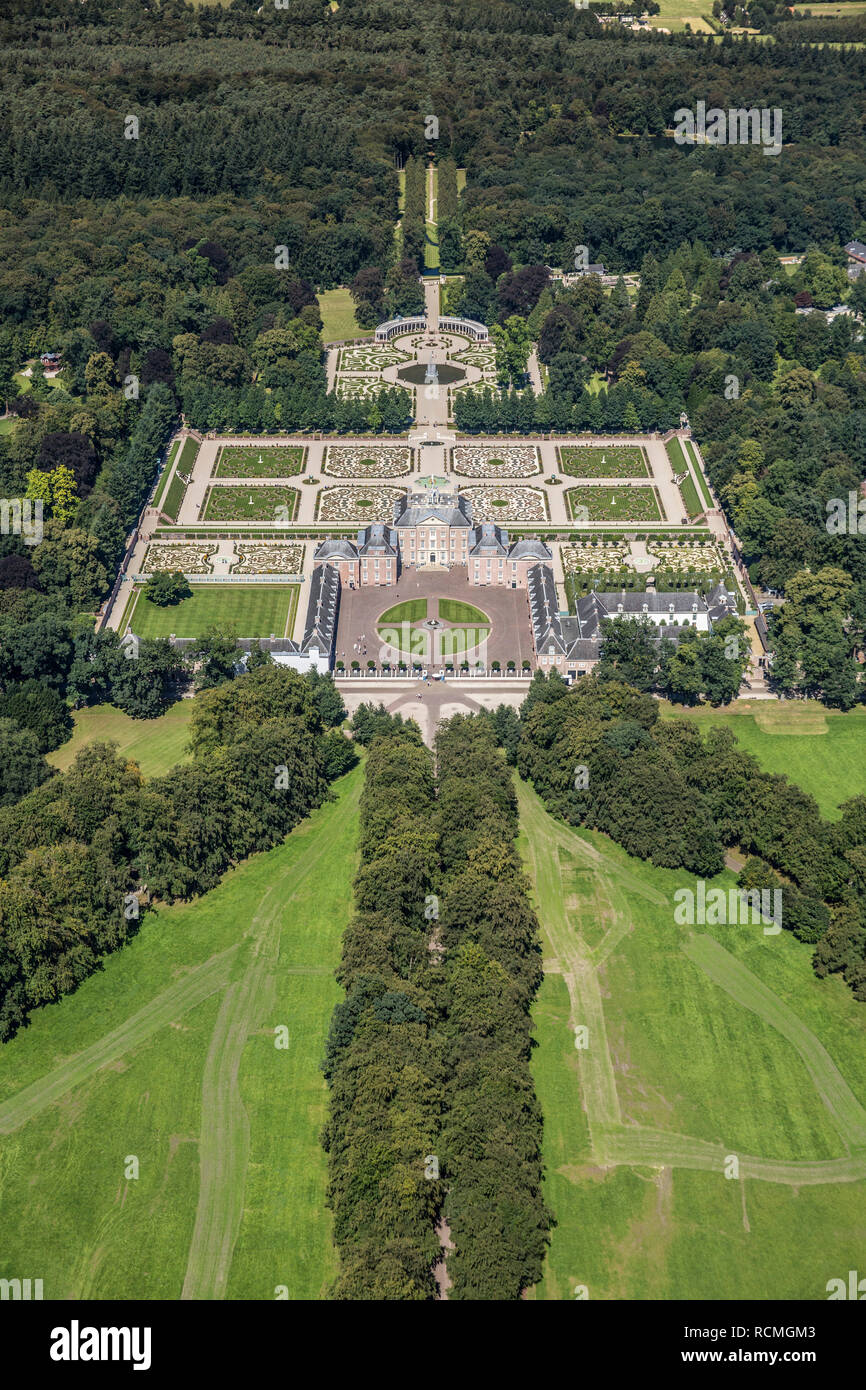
(478, 355)
(279, 505)
(259, 461)
(507, 503)
(359, 387)
(606, 461)
(370, 358)
(587, 559)
(264, 558)
(360, 504)
(367, 461)
(695, 555)
(188, 559)
(613, 503)
(495, 460)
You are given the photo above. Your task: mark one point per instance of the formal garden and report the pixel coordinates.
(495, 460)
(607, 565)
(597, 503)
(176, 557)
(261, 503)
(608, 461)
(363, 387)
(257, 461)
(267, 557)
(685, 556)
(358, 504)
(367, 460)
(507, 503)
(370, 357)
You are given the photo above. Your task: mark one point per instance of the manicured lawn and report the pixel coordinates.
(614, 503)
(702, 1042)
(819, 749)
(603, 462)
(155, 744)
(412, 611)
(688, 491)
(166, 473)
(252, 610)
(700, 480)
(452, 610)
(156, 1019)
(8, 425)
(226, 503)
(185, 464)
(259, 461)
(337, 308)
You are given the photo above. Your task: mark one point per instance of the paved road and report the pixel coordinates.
(439, 699)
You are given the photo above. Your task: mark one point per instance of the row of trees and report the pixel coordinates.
(84, 853)
(492, 1127)
(433, 1113)
(599, 756)
(385, 1057)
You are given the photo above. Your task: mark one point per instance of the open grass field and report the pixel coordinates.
(703, 1043)
(590, 461)
(452, 610)
(252, 610)
(169, 1054)
(260, 503)
(155, 744)
(819, 749)
(337, 308)
(259, 461)
(675, 14)
(613, 503)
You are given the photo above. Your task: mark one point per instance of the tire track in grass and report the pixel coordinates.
(173, 1003)
(737, 980)
(224, 1143)
(598, 1084)
(614, 1143)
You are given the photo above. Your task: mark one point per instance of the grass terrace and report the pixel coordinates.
(185, 464)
